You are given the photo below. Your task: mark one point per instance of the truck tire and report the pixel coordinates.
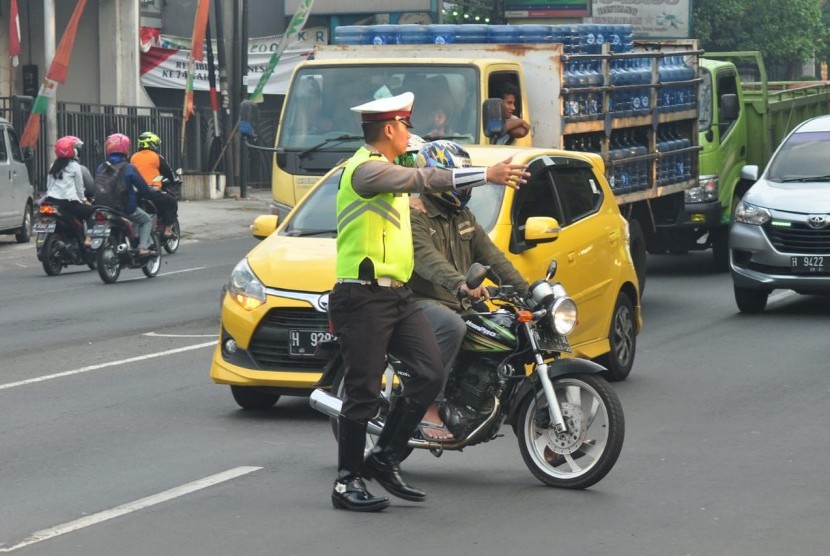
(637, 246)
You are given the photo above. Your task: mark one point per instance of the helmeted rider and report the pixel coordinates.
(447, 241)
(152, 166)
(117, 150)
(65, 183)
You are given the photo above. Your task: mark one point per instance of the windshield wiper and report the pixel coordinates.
(306, 233)
(807, 178)
(344, 137)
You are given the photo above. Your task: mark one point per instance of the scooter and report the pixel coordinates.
(57, 241)
(115, 242)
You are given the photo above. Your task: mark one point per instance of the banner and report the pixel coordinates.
(165, 65)
(656, 19)
(14, 33)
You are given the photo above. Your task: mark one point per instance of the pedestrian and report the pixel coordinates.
(371, 309)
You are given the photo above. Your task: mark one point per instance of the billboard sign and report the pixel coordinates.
(651, 19)
(545, 8)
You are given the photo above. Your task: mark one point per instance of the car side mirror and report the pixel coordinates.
(264, 225)
(541, 229)
(493, 117)
(750, 172)
(729, 107)
(28, 153)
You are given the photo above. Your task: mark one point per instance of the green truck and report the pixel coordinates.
(743, 118)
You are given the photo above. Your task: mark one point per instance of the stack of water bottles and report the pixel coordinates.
(674, 168)
(631, 176)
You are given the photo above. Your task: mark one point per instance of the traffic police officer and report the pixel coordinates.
(371, 309)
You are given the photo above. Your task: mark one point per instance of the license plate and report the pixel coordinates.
(810, 264)
(553, 342)
(303, 343)
(44, 227)
(99, 231)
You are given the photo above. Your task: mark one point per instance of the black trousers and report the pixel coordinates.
(168, 208)
(371, 321)
(77, 210)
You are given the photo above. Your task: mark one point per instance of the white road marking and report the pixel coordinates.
(104, 365)
(180, 271)
(157, 335)
(100, 517)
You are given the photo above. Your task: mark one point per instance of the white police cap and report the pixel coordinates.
(392, 108)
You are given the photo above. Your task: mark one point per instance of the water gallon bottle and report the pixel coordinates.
(383, 34)
(559, 34)
(627, 37)
(471, 33)
(442, 33)
(503, 34)
(589, 38)
(414, 34)
(534, 33)
(351, 34)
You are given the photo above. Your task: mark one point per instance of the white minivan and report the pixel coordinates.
(16, 193)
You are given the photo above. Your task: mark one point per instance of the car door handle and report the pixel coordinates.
(571, 257)
(613, 236)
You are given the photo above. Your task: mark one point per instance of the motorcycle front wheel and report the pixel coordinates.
(153, 264)
(583, 454)
(171, 244)
(108, 261)
(51, 257)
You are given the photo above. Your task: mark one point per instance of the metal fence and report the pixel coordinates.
(94, 122)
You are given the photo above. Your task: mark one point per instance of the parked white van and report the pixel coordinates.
(16, 192)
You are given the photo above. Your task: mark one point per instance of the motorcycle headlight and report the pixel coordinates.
(563, 315)
(750, 214)
(245, 288)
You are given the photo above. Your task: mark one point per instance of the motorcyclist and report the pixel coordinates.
(152, 167)
(117, 150)
(447, 240)
(65, 184)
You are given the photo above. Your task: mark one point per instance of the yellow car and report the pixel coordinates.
(274, 306)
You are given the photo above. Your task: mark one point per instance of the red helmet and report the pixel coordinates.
(117, 143)
(67, 147)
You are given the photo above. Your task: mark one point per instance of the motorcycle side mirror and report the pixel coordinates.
(551, 270)
(476, 275)
(178, 172)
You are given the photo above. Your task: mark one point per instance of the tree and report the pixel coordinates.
(788, 33)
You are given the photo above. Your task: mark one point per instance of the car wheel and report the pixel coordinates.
(623, 339)
(751, 301)
(250, 398)
(25, 233)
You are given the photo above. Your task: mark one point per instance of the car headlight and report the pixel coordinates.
(706, 191)
(245, 288)
(563, 315)
(750, 214)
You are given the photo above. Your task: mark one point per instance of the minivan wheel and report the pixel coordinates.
(751, 301)
(25, 233)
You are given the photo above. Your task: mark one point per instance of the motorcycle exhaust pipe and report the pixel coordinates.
(122, 248)
(330, 405)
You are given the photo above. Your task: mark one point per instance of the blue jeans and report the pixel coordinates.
(143, 225)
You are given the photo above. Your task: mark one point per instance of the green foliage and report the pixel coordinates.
(789, 32)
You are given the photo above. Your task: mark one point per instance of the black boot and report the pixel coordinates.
(349, 491)
(383, 463)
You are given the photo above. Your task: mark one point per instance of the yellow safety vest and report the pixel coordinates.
(376, 227)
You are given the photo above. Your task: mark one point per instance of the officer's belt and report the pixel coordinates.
(384, 281)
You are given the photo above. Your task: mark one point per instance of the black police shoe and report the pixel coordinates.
(387, 473)
(350, 494)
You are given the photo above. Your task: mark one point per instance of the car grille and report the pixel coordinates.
(799, 238)
(269, 345)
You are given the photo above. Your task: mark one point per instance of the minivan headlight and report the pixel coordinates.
(245, 288)
(750, 214)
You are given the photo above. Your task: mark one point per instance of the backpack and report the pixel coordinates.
(110, 189)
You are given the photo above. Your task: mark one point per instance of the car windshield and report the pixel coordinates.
(804, 157)
(318, 105)
(317, 215)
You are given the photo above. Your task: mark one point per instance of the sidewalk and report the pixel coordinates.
(222, 218)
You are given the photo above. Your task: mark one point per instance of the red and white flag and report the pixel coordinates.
(14, 34)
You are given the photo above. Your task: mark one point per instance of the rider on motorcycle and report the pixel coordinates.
(152, 166)
(65, 184)
(117, 150)
(447, 241)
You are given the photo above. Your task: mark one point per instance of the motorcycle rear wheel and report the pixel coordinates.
(108, 261)
(171, 245)
(587, 451)
(51, 256)
(153, 264)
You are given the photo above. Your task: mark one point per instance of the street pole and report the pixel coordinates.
(48, 56)
(227, 93)
(243, 64)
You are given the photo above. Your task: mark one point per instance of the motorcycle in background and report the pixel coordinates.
(512, 369)
(174, 189)
(57, 242)
(115, 242)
